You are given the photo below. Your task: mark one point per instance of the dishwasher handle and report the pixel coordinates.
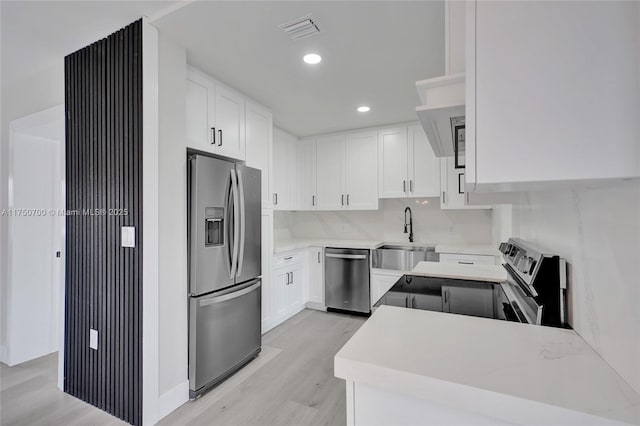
(347, 256)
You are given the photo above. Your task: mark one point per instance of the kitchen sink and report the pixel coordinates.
(401, 257)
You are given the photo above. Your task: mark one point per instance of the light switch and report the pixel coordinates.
(93, 339)
(128, 236)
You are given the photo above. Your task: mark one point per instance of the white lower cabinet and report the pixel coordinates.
(315, 278)
(287, 292)
(381, 281)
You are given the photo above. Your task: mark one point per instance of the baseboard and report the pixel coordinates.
(317, 306)
(172, 399)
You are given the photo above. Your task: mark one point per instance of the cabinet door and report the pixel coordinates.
(427, 302)
(282, 185)
(259, 146)
(330, 172)
(306, 178)
(452, 180)
(315, 275)
(279, 294)
(392, 155)
(476, 301)
(230, 119)
(424, 166)
(267, 267)
(295, 288)
(199, 112)
(361, 171)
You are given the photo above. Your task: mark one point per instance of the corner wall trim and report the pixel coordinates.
(173, 399)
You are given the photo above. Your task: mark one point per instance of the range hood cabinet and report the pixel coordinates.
(442, 101)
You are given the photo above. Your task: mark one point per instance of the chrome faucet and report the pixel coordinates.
(410, 225)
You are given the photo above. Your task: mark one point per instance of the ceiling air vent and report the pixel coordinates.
(300, 28)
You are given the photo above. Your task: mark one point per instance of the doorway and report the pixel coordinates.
(35, 290)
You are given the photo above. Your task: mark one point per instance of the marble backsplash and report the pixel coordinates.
(430, 224)
(598, 232)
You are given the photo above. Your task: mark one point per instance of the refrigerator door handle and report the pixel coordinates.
(236, 224)
(229, 296)
(243, 218)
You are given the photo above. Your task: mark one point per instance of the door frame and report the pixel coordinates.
(47, 116)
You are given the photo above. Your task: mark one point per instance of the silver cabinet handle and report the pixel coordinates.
(347, 199)
(213, 136)
(313, 200)
(445, 295)
(442, 197)
(404, 186)
(220, 141)
(318, 257)
(342, 199)
(291, 277)
(413, 302)
(346, 256)
(288, 258)
(275, 198)
(406, 301)
(465, 263)
(287, 283)
(410, 185)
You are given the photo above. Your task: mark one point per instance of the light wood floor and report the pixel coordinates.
(290, 383)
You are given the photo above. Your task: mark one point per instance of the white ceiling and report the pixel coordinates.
(35, 35)
(372, 53)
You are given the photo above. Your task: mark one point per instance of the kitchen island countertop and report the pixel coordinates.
(518, 373)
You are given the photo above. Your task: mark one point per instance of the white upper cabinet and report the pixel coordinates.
(306, 174)
(453, 195)
(259, 146)
(284, 170)
(361, 171)
(230, 123)
(423, 166)
(552, 93)
(330, 172)
(407, 164)
(200, 104)
(347, 167)
(215, 116)
(392, 155)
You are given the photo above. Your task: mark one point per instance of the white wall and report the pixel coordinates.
(598, 232)
(33, 93)
(172, 207)
(430, 224)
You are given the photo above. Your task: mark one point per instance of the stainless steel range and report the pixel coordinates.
(537, 283)
(534, 292)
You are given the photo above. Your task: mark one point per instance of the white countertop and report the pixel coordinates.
(286, 245)
(484, 250)
(490, 273)
(520, 373)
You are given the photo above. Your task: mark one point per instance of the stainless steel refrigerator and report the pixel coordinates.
(224, 269)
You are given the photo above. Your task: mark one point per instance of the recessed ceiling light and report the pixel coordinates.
(312, 58)
(364, 108)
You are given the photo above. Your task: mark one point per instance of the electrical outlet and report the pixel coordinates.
(93, 339)
(128, 236)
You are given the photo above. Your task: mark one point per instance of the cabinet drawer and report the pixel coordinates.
(287, 259)
(471, 259)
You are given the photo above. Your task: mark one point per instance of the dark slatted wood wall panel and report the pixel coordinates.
(103, 100)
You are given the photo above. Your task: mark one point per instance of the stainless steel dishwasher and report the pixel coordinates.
(346, 279)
